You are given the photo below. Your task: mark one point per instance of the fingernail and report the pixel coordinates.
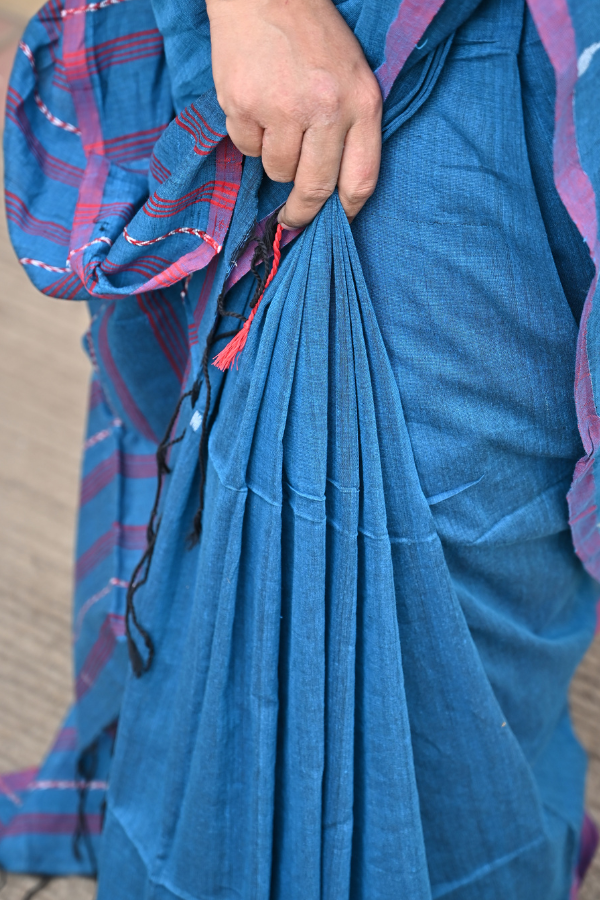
(280, 221)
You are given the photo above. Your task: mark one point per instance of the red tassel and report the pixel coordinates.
(228, 354)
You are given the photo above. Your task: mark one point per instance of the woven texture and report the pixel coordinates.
(341, 661)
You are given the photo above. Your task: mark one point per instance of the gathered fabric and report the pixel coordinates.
(358, 678)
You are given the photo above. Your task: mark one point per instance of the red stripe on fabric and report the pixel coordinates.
(49, 16)
(119, 50)
(55, 168)
(133, 136)
(159, 172)
(184, 266)
(555, 27)
(66, 287)
(222, 194)
(17, 212)
(127, 147)
(91, 215)
(130, 406)
(403, 35)
(205, 137)
(59, 76)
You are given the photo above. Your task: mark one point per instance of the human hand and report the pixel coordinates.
(297, 90)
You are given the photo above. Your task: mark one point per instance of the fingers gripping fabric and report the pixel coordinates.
(290, 755)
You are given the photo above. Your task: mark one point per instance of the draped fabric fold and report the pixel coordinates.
(308, 760)
(326, 715)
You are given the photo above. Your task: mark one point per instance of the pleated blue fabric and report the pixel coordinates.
(360, 683)
(360, 680)
(277, 728)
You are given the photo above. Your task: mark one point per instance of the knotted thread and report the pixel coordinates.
(141, 571)
(225, 359)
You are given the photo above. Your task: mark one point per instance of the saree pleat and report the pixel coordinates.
(295, 747)
(361, 668)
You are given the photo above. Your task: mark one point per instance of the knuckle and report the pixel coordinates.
(372, 101)
(358, 194)
(315, 195)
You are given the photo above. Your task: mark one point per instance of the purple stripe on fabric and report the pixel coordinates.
(130, 406)
(100, 476)
(17, 212)
(403, 35)
(128, 537)
(49, 823)
(228, 161)
(583, 514)
(131, 465)
(587, 850)
(89, 203)
(112, 628)
(52, 166)
(78, 76)
(139, 465)
(17, 781)
(66, 740)
(186, 265)
(96, 394)
(100, 549)
(207, 284)
(118, 50)
(555, 27)
(242, 266)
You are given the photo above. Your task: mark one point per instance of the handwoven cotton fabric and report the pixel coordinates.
(359, 686)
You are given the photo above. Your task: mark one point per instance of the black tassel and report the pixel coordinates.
(141, 571)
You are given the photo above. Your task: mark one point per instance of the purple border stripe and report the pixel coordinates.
(555, 27)
(405, 32)
(112, 628)
(49, 823)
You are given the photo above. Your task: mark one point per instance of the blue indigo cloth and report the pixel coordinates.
(360, 672)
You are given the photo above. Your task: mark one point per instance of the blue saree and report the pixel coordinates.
(360, 671)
